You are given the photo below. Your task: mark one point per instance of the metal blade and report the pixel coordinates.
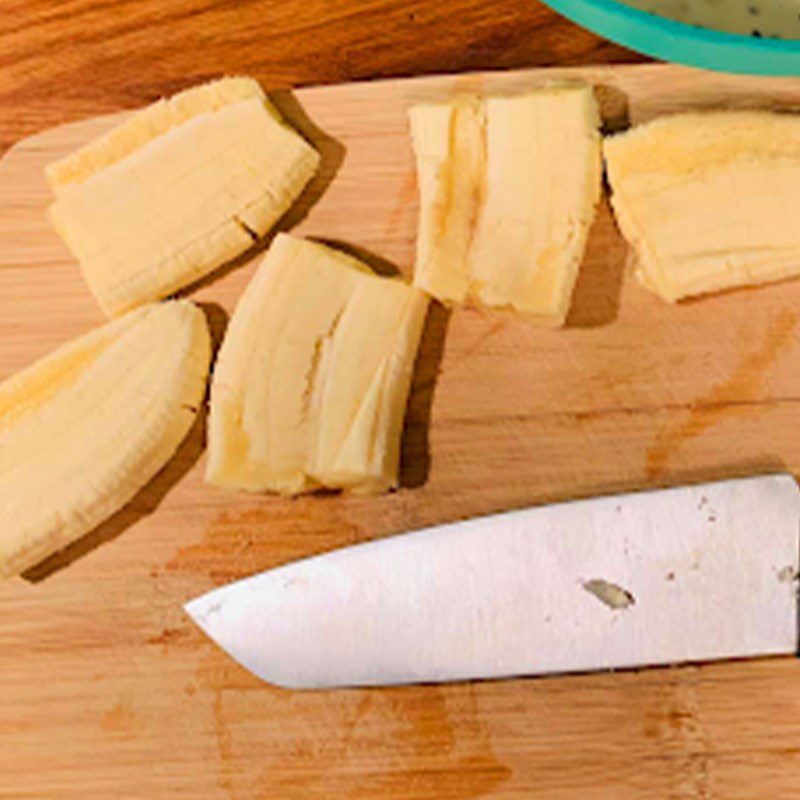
(689, 574)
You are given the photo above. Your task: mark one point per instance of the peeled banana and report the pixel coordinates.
(312, 378)
(84, 429)
(508, 188)
(181, 187)
(707, 199)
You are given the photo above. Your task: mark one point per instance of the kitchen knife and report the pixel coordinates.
(689, 574)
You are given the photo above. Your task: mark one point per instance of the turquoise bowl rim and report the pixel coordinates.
(684, 44)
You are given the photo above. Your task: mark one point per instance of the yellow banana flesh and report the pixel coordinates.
(177, 190)
(84, 429)
(311, 383)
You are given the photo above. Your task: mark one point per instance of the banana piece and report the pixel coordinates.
(508, 188)
(705, 199)
(84, 429)
(311, 383)
(148, 123)
(180, 188)
(450, 144)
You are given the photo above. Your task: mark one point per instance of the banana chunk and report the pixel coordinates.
(703, 199)
(84, 429)
(508, 188)
(180, 188)
(311, 383)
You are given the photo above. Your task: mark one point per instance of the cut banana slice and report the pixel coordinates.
(84, 429)
(181, 187)
(508, 188)
(706, 199)
(311, 383)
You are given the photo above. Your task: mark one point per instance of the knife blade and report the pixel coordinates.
(694, 573)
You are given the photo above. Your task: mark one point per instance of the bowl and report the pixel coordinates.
(685, 44)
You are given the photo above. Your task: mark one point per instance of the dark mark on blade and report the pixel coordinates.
(214, 608)
(788, 574)
(609, 593)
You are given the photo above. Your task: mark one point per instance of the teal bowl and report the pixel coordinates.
(681, 43)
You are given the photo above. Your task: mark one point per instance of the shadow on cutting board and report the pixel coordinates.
(749, 468)
(332, 153)
(595, 300)
(379, 265)
(596, 297)
(147, 500)
(415, 457)
(331, 150)
(689, 476)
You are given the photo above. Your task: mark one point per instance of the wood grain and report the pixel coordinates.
(62, 60)
(108, 689)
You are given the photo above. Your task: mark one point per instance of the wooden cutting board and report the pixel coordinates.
(107, 689)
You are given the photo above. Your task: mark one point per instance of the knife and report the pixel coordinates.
(695, 573)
